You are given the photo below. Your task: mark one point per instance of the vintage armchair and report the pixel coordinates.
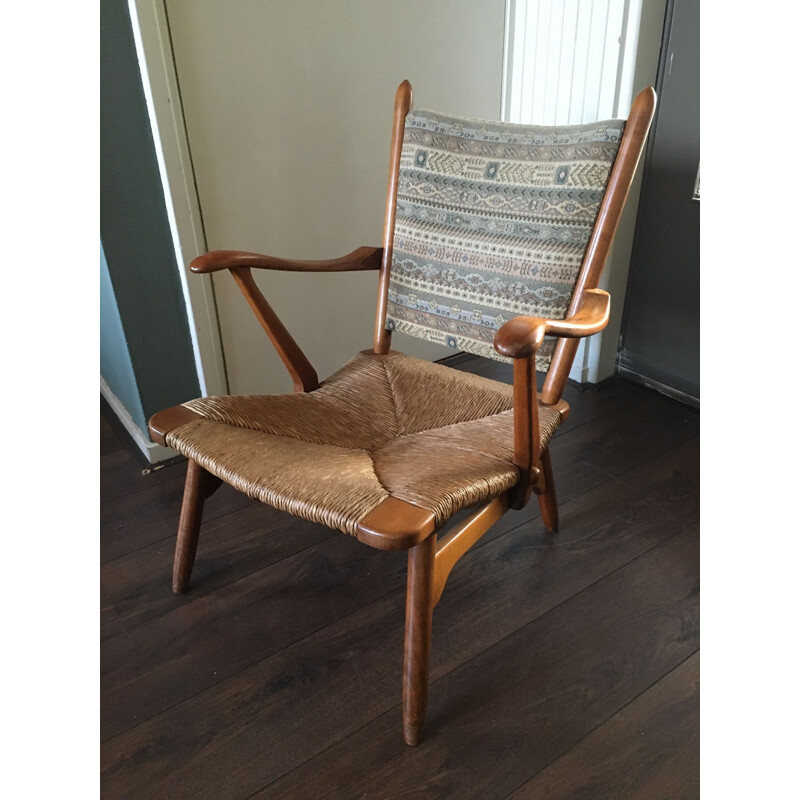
(494, 239)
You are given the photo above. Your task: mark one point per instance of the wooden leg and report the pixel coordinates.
(547, 501)
(198, 482)
(419, 619)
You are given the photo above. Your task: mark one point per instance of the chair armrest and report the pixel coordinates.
(240, 263)
(361, 259)
(520, 337)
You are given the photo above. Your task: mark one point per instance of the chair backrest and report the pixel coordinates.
(490, 221)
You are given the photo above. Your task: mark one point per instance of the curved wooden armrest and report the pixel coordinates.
(520, 337)
(361, 259)
(239, 263)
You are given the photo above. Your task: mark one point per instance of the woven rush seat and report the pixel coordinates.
(382, 426)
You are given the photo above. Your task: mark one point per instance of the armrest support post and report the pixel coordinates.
(526, 429)
(239, 263)
(303, 374)
(520, 338)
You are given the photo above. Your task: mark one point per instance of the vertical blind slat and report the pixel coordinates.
(568, 60)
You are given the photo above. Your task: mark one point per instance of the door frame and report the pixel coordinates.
(162, 94)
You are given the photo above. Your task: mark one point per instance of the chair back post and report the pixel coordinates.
(402, 105)
(605, 227)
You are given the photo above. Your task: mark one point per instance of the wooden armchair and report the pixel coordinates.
(495, 236)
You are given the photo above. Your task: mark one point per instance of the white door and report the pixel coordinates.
(288, 108)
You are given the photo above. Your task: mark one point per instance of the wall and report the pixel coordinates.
(141, 294)
(116, 366)
(288, 111)
(661, 335)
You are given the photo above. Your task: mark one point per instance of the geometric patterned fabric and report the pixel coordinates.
(493, 221)
(382, 426)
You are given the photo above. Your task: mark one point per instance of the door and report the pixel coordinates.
(288, 109)
(661, 324)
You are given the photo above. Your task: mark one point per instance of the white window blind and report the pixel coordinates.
(569, 61)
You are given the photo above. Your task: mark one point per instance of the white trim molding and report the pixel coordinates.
(154, 49)
(154, 453)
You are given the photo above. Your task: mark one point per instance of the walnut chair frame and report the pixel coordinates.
(396, 524)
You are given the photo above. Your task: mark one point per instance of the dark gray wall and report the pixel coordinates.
(135, 232)
(116, 366)
(661, 324)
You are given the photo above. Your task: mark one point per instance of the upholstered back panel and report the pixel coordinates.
(493, 220)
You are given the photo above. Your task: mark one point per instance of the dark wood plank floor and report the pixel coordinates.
(564, 666)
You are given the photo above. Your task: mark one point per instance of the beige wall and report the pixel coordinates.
(288, 110)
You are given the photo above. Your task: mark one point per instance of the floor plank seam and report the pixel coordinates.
(188, 598)
(171, 537)
(625, 705)
(250, 665)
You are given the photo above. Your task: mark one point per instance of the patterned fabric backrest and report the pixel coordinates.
(493, 221)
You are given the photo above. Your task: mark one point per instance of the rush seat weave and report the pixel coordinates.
(382, 426)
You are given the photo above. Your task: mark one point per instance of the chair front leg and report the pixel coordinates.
(199, 484)
(417, 653)
(547, 501)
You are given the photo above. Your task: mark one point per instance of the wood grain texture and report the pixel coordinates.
(526, 430)
(234, 545)
(648, 749)
(461, 538)
(364, 258)
(402, 105)
(175, 655)
(162, 422)
(510, 706)
(294, 359)
(521, 337)
(143, 510)
(548, 502)
(417, 643)
(194, 494)
(395, 525)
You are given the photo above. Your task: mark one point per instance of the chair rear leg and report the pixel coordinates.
(199, 484)
(548, 504)
(419, 620)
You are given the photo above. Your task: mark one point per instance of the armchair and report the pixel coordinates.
(495, 236)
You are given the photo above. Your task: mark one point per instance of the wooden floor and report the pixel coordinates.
(564, 666)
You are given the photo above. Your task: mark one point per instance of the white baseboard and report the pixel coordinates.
(579, 371)
(154, 453)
